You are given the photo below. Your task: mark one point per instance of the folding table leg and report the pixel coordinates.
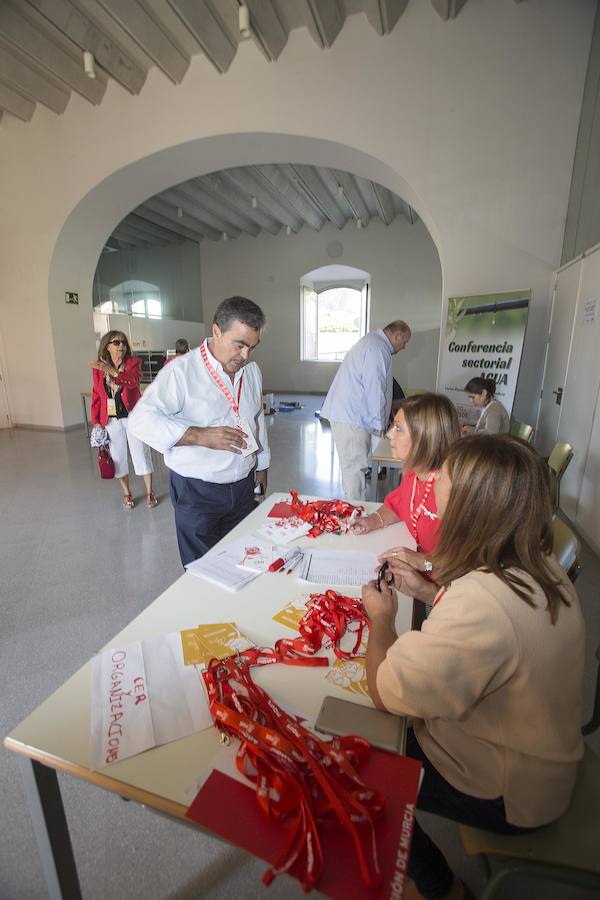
(51, 830)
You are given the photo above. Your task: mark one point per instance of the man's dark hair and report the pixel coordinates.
(239, 309)
(181, 346)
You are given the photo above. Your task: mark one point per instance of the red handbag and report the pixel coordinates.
(105, 463)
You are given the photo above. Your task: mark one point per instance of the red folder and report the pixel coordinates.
(281, 510)
(230, 810)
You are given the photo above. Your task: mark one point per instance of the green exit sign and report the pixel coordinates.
(70, 297)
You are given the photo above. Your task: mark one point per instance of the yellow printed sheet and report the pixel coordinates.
(350, 674)
(207, 642)
(291, 614)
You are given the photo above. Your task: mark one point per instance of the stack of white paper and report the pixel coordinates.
(338, 567)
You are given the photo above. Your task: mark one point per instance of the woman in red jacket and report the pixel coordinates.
(115, 391)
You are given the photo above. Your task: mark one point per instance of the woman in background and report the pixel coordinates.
(494, 679)
(116, 377)
(494, 419)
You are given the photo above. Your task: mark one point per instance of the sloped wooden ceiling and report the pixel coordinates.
(252, 199)
(42, 42)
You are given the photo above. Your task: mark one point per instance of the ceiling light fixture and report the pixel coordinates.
(359, 224)
(340, 191)
(244, 22)
(224, 235)
(288, 230)
(254, 203)
(179, 212)
(89, 64)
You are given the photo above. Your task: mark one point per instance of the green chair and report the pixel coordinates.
(559, 459)
(566, 851)
(567, 548)
(521, 430)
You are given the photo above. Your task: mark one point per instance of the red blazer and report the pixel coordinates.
(129, 379)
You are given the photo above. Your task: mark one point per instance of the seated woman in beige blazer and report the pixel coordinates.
(494, 679)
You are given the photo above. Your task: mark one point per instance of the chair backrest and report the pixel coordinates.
(521, 430)
(559, 459)
(566, 547)
(413, 392)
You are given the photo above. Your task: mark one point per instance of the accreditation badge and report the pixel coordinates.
(112, 406)
(250, 440)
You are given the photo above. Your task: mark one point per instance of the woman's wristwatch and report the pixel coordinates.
(428, 566)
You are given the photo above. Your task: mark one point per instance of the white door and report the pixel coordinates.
(564, 302)
(582, 384)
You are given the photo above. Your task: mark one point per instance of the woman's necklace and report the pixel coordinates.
(421, 509)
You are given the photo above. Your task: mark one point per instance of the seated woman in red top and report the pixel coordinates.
(424, 428)
(115, 391)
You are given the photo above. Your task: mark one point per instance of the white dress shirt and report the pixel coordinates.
(184, 394)
(361, 392)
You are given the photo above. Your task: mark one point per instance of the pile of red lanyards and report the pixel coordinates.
(301, 781)
(323, 515)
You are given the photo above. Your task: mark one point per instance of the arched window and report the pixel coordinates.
(335, 312)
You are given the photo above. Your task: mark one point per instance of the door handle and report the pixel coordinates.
(558, 394)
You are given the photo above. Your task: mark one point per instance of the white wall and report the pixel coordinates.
(175, 269)
(406, 283)
(472, 121)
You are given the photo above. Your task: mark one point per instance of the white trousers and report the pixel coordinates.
(120, 437)
(353, 446)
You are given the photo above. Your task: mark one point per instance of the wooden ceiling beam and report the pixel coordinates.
(217, 204)
(308, 180)
(286, 192)
(15, 103)
(150, 215)
(448, 9)
(184, 197)
(221, 186)
(126, 239)
(134, 19)
(269, 31)
(208, 31)
(29, 79)
(169, 211)
(253, 185)
(384, 14)
(126, 227)
(37, 38)
(153, 230)
(385, 204)
(87, 36)
(324, 19)
(343, 188)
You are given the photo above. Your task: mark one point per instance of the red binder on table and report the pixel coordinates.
(230, 810)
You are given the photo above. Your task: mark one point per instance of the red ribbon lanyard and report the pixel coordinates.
(301, 780)
(221, 384)
(323, 515)
(415, 514)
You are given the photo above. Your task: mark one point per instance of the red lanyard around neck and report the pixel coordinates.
(415, 514)
(221, 384)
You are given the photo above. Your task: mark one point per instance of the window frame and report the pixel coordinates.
(363, 286)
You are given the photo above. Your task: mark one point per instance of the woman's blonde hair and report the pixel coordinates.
(103, 351)
(499, 517)
(433, 426)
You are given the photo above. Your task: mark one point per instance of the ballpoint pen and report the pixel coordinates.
(295, 562)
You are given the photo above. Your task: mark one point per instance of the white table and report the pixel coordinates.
(56, 736)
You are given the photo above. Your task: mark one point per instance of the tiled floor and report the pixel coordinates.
(75, 568)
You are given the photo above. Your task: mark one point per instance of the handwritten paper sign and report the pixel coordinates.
(143, 696)
(590, 309)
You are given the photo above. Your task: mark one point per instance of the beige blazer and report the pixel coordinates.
(494, 419)
(496, 692)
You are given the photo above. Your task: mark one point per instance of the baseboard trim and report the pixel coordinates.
(23, 426)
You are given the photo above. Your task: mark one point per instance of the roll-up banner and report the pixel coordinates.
(484, 338)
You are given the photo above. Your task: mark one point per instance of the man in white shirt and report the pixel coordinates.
(359, 401)
(204, 413)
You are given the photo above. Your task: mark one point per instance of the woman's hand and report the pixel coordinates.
(364, 524)
(409, 582)
(104, 367)
(403, 555)
(379, 604)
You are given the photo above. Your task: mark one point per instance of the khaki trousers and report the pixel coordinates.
(353, 446)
